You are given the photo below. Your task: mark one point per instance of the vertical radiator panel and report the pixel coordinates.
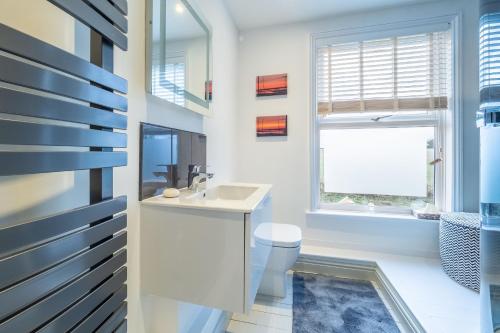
(23, 294)
(17, 236)
(77, 312)
(25, 133)
(122, 328)
(111, 13)
(22, 45)
(91, 323)
(35, 316)
(23, 163)
(33, 77)
(66, 272)
(88, 16)
(121, 5)
(27, 263)
(26, 104)
(115, 320)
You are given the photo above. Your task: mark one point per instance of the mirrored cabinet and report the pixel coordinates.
(179, 55)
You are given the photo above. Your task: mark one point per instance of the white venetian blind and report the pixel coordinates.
(489, 56)
(169, 79)
(398, 73)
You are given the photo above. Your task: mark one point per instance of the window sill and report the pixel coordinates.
(366, 216)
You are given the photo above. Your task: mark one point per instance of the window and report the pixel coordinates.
(169, 79)
(381, 120)
(489, 59)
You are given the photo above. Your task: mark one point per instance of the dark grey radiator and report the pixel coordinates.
(66, 272)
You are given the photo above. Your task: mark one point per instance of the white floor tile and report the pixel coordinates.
(288, 299)
(242, 327)
(266, 319)
(274, 308)
(269, 314)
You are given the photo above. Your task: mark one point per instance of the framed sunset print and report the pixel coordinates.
(272, 85)
(272, 126)
(208, 90)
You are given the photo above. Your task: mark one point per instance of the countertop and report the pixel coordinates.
(202, 200)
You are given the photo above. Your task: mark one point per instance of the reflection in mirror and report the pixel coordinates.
(181, 157)
(167, 155)
(179, 54)
(156, 160)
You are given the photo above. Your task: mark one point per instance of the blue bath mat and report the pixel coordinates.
(326, 304)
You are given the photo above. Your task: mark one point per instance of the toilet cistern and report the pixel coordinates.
(284, 242)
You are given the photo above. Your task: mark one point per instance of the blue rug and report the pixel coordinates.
(326, 304)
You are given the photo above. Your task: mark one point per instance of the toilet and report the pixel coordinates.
(284, 241)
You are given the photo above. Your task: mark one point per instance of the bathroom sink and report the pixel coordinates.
(239, 197)
(229, 192)
(222, 192)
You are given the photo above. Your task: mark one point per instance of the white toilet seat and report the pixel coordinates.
(278, 235)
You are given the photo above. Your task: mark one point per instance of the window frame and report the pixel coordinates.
(448, 194)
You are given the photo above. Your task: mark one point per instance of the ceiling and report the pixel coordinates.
(249, 14)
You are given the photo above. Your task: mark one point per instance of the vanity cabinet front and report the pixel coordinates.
(202, 256)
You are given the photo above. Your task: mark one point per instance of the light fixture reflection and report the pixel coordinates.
(179, 8)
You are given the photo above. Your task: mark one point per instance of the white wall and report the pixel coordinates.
(284, 162)
(152, 314)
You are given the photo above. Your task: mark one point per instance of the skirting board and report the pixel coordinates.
(363, 270)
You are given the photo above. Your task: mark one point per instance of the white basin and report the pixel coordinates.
(229, 192)
(228, 197)
(222, 192)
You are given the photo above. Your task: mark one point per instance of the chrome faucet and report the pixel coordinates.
(197, 178)
(197, 181)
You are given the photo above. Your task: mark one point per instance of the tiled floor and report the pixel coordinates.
(269, 314)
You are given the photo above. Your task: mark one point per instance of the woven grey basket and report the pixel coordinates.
(459, 248)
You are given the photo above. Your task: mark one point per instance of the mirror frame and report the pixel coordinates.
(201, 106)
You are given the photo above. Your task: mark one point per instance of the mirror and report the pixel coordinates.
(178, 50)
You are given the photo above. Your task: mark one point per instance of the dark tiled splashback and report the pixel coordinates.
(166, 154)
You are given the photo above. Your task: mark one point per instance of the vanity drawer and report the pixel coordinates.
(193, 256)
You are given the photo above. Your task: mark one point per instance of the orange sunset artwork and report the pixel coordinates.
(272, 126)
(272, 85)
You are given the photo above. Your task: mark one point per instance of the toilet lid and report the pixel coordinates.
(279, 235)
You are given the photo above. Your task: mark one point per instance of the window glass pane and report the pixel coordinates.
(380, 166)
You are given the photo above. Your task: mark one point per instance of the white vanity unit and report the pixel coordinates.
(199, 248)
